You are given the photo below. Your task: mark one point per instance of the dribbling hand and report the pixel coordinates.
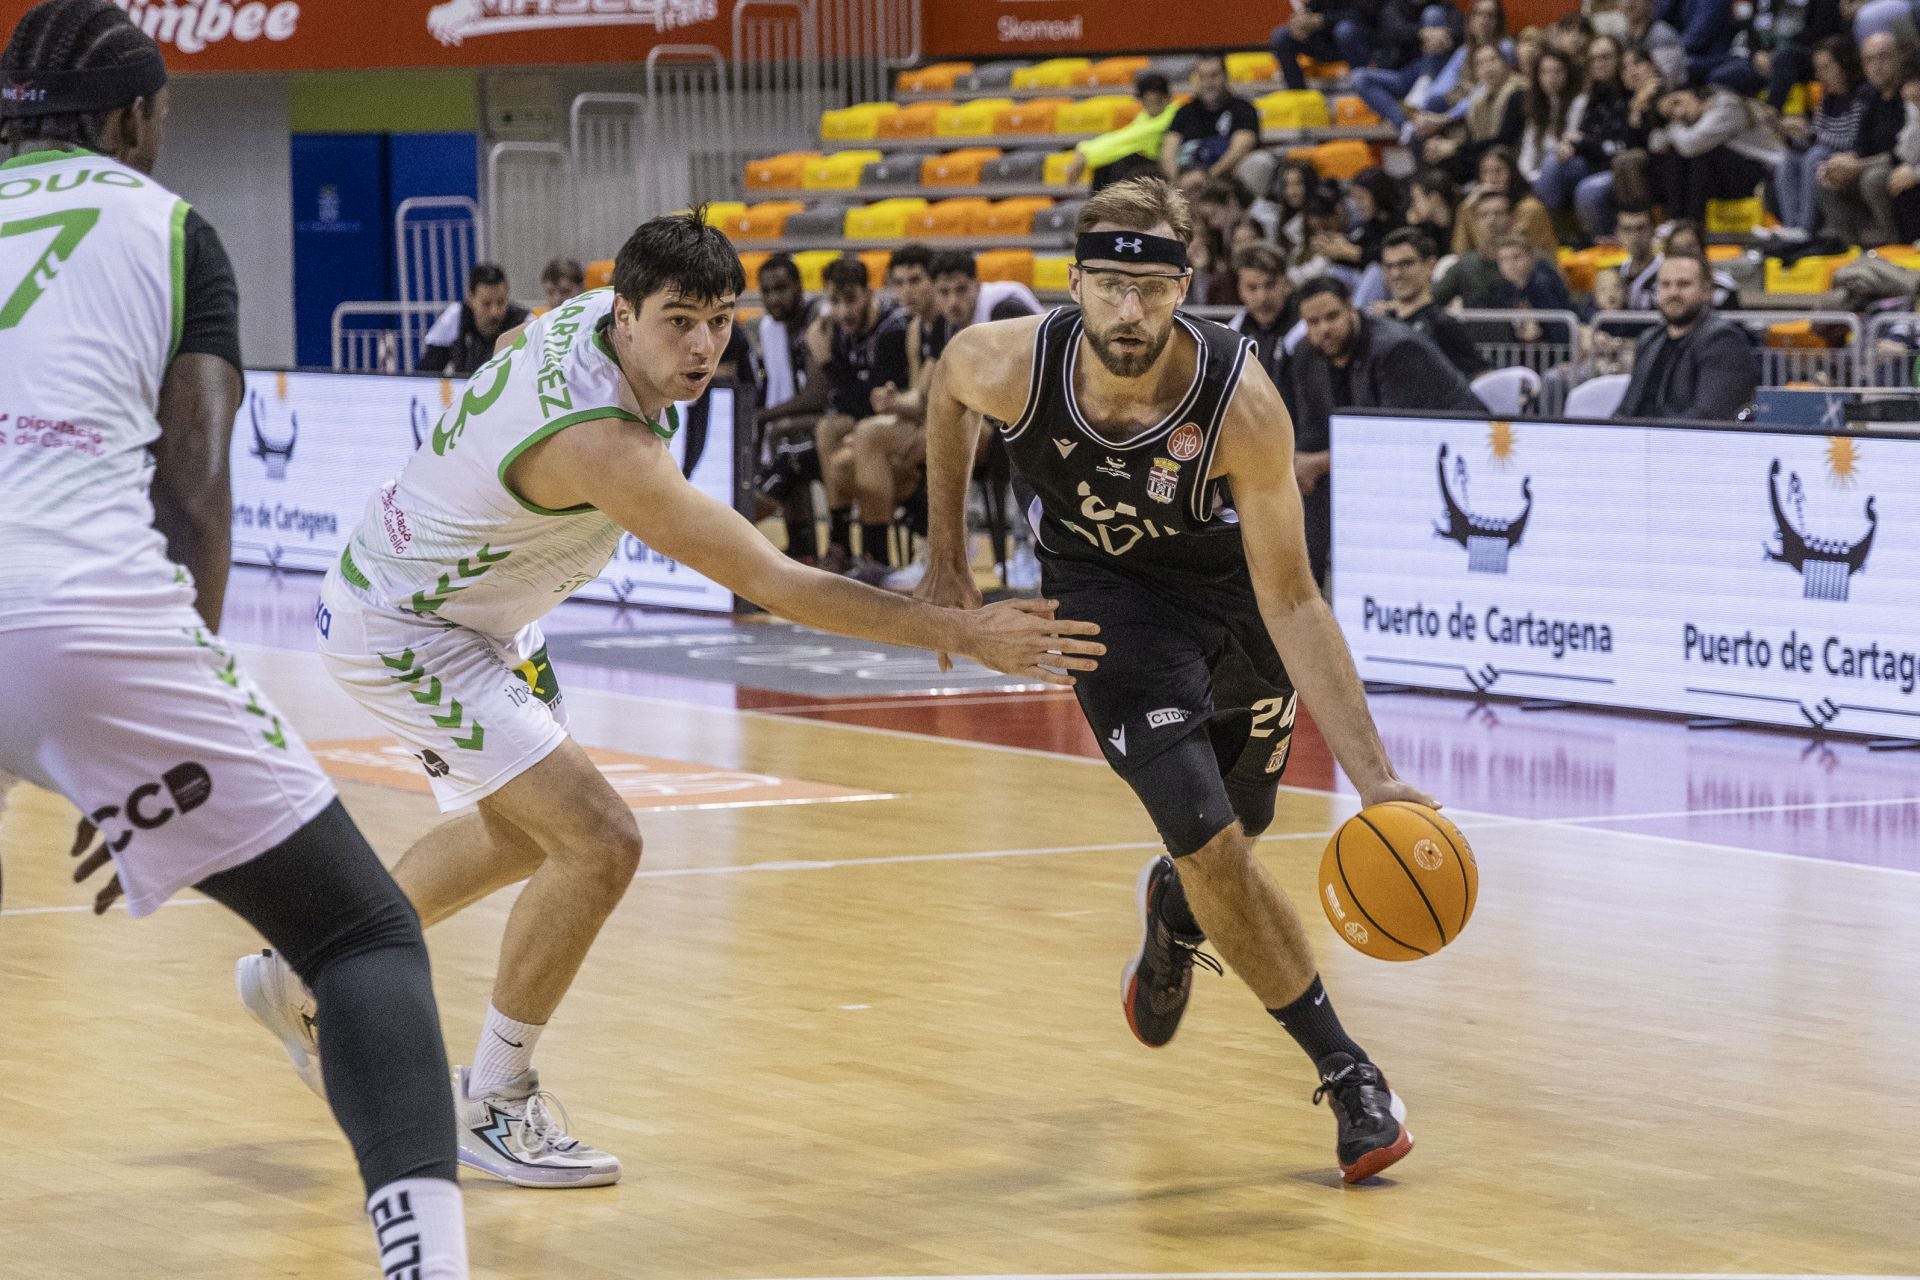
(1023, 638)
(1394, 789)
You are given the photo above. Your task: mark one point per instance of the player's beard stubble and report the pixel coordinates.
(1137, 349)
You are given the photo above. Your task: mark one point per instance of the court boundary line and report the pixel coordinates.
(1393, 1275)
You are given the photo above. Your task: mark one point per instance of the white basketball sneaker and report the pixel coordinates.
(520, 1134)
(280, 1002)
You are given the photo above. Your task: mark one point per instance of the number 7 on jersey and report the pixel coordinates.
(70, 227)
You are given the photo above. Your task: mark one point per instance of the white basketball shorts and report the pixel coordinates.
(476, 710)
(158, 737)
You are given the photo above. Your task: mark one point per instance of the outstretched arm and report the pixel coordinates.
(1256, 454)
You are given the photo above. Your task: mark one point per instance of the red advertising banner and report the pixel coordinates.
(342, 35)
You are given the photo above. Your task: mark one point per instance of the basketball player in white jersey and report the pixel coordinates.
(431, 620)
(119, 374)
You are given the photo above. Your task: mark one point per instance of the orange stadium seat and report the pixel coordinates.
(883, 219)
(764, 221)
(1054, 73)
(1325, 70)
(750, 262)
(779, 173)
(837, 172)
(1293, 109)
(1036, 115)
(969, 119)
(599, 274)
(938, 77)
(1252, 67)
(1117, 73)
(858, 123)
(813, 265)
(1006, 264)
(912, 121)
(1341, 158)
(1050, 273)
(876, 261)
(949, 218)
(1724, 252)
(1580, 266)
(957, 168)
(1055, 173)
(1901, 255)
(1352, 112)
(1097, 115)
(1013, 217)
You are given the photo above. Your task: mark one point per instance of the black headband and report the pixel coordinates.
(59, 93)
(1129, 246)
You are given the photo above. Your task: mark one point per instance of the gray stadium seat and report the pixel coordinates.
(1016, 166)
(1176, 67)
(1053, 228)
(819, 221)
(991, 75)
(899, 169)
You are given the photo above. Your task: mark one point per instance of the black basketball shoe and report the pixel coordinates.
(1372, 1136)
(1159, 978)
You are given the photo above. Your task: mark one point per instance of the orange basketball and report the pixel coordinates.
(1398, 881)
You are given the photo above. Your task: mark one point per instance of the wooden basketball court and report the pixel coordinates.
(867, 1024)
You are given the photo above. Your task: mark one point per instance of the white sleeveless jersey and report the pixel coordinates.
(92, 266)
(449, 540)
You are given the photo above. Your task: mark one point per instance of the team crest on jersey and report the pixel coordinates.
(1163, 480)
(1185, 442)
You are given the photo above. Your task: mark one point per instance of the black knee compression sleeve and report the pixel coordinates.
(325, 902)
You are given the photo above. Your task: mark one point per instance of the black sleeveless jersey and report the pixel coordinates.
(850, 366)
(1143, 502)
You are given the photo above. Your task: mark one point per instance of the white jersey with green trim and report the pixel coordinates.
(449, 540)
(92, 260)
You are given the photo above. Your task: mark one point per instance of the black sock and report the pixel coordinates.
(840, 528)
(1174, 908)
(876, 542)
(802, 537)
(1311, 1021)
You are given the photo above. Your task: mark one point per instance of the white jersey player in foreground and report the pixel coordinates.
(431, 621)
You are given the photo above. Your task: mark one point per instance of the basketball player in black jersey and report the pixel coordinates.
(1168, 513)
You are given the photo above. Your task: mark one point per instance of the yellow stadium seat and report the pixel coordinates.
(858, 123)
(599, 274)
(813, 265)
(876, 261)
(764, 221)
(1036, 115)
(1012, 217)
(1050, 274)
(1341, 158)
(779, 173)
(1351, 112)
(939, 77)
(949, 218)
(1293, 109)
(1812, 274)
(1733, 217)
(1117, 73)
(720, 211)
(957, 168)
(1097, 115)
(912, 121)
(1055, 174)
(1006, 264)
(968, 119)
(883, 219)
(1054, 73)
(837, 172)
(1247, 68)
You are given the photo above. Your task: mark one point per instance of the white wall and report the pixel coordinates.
(229, 153)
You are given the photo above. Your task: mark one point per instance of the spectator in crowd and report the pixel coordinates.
(1407, 261)
(1580, 170)
(1397, 42)
(1351, 360)
(1134, 148)
(1554, 103)
(564, 279)
(1660, 41)
(1373, 203)
(1324, 222)
(1475, 278)
(910, 277)
(1606, 347)
(1903, 184)
(1390, 91)
(1834, 129)
(1296, 184)
(789, 456)
(1528, 45)
(1210, 282)
(462, 338)
(1268, 310)
(1224, 203)
(1634, 180)
(1500, 171)
(1494, 116)
(963, 299)
(1640, 273)
(1852, 185)
(1326, 31)
(1687, 238)
(1432, 204)
(1531, 289)
(1572, 36)
(1781, 36)
(1696, 365)
(1724, 148)
(1217, 133)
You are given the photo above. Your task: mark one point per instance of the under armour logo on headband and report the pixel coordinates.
(1129, 246)
(1123, 245)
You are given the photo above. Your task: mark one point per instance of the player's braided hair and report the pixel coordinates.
(71, 35)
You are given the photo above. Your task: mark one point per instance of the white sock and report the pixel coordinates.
(420, 1228)
(505, 1053)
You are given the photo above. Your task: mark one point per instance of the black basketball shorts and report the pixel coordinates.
(1191, 703)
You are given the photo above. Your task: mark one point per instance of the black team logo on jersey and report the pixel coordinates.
(187, 786)
(1488, 540)
(434, 765)
(274, 456)
(1825, 565)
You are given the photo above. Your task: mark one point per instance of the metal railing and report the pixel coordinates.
(776, 68)
(437, 239)
(381, 337)
(1537, 340)
(532, 197)
(1835, 365)
(1888, 350)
